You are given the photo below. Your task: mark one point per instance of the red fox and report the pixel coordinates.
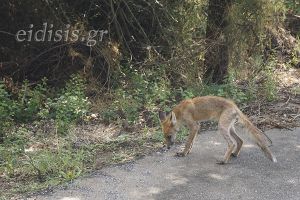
(190, 111)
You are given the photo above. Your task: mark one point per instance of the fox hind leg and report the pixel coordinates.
(238, 140)
(226, 122)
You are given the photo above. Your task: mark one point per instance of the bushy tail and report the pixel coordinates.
(258, 135)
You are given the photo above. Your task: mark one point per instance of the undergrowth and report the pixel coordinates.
(149, 91)
(19, 160)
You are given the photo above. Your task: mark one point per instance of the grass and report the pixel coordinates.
(62, 159)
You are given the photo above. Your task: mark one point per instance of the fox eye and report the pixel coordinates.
(169, 137)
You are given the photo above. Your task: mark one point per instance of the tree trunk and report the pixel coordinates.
(217, 55)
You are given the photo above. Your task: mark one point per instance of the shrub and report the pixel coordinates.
(6, 111)
(139, 91)
(70, 106)
(30, 101)
(64, 163)
(269, 86)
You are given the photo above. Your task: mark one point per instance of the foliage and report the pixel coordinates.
(249, 20)
(228, 90)
(149, 92)
(270, 85)
(14, 146)
(64, 163)
(41, 166)
(6, 112)
(70, 106)
(30, 101)
(138, 91)
(36, 103)
(293, 6)
(131, 27)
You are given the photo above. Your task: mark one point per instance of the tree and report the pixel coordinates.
(217, 54)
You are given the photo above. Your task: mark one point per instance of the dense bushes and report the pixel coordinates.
(137, 31)
(139, 92)
(33, 103)
(140, 34)
(140, 95)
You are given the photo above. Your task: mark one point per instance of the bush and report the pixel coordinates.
(269, 86)
(70, 106)
(66, 164)
(29, 102)
(35, 103)
(6, 111)
(139, 91)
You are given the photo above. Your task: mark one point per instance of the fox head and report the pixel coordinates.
(169, 127)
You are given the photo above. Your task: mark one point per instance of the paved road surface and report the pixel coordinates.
(162, 176)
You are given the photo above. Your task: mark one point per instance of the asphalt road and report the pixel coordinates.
(251, 176)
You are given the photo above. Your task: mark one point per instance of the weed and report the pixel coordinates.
(144, 90)
(44, 166)
(158, 136)
(70, 106)
(30, 101)
(65, 164)
(228, 90)
(269, 84)
(32, 104)
(117, 157)
(6, 112)
(182, 134)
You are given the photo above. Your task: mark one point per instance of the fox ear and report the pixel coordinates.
(162, 115)
(173, 118)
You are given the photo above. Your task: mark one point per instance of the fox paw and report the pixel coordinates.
(234, 155)
(220, 162)
(180, 154)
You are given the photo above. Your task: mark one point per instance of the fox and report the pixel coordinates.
(190, 112)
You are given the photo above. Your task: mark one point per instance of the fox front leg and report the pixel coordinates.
(194, 127)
